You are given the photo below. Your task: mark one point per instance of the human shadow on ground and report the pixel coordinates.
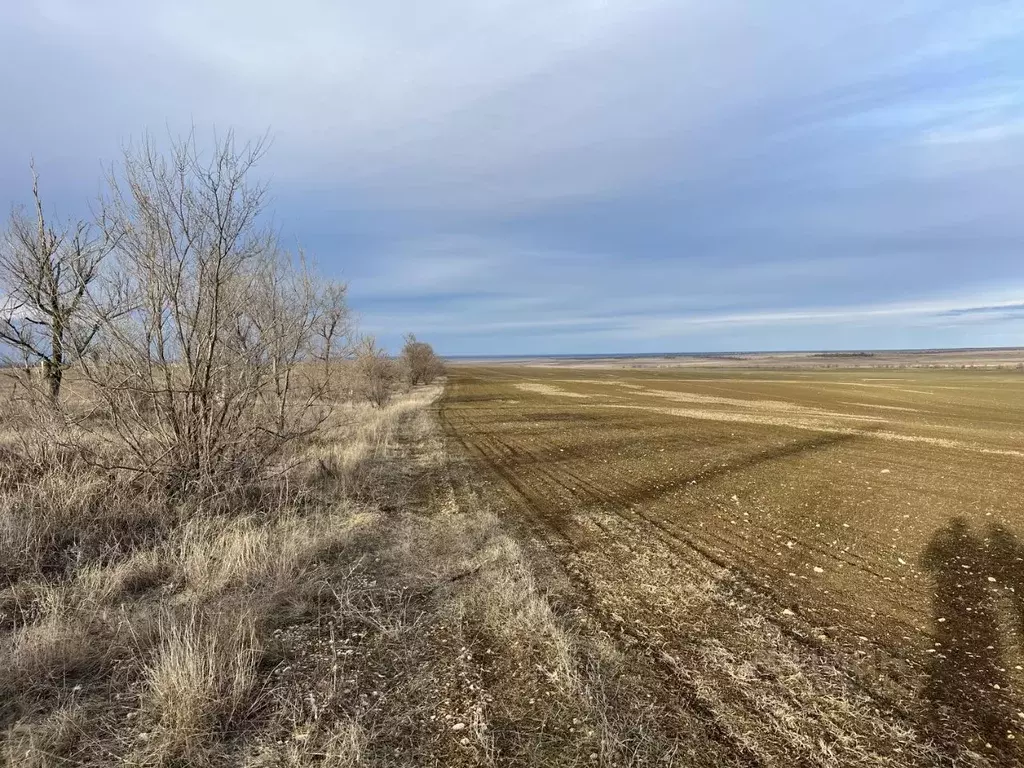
(1008, 565)
(968, 689)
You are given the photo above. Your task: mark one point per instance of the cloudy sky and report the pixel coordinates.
(546, 176)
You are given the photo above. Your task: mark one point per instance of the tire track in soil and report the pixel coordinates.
(634, 494)
(687, 700)
(622, 504)
(533, 492)
(756, 552)
(744, 581)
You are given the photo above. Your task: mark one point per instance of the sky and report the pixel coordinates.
(579, 176)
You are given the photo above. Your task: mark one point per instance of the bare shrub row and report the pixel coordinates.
(202, 346)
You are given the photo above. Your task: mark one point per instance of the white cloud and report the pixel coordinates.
(631, 167)
(476, 104)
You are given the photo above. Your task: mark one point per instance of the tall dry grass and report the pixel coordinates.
(202, 680)
(142, 627)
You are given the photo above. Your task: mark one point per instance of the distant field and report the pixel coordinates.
(853, 529)
(994, 358)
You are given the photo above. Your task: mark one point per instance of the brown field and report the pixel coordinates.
(800, 566)
(998, 358)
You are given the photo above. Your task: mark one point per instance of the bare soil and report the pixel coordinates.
(815, 568)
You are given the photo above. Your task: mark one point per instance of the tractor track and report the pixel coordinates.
(540, 491)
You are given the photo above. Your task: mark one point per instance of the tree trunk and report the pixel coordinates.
(54, 370)
(54, 381)
(52, 375)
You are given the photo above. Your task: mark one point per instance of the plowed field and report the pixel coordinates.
(817, 566)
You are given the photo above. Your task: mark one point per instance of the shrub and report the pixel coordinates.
(421, 365)
(209, 375)
(375, 373)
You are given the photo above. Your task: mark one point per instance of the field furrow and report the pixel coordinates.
(824, 567)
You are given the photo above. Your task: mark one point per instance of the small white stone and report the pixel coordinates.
(458, 726)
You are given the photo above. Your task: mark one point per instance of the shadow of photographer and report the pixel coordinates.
(968, 689)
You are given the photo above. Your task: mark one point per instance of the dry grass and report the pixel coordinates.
(141, 628)
(338, 616)
(201, 681)
(445, 650)
(355, 458)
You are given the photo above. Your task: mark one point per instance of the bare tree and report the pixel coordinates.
(376, 373)
(333, 327)
(206, 378)
(297, 318)
(48, 274)
(420, 363)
